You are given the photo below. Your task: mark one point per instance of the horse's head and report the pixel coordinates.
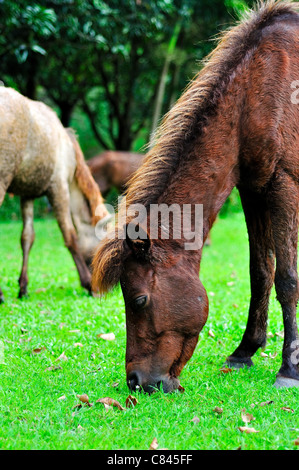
(166, 308)
(86, 222)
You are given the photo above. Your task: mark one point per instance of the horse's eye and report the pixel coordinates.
(139, 302)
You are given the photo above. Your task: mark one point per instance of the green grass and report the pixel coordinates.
(58, 314)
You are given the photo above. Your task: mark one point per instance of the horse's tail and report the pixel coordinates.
(87, 184)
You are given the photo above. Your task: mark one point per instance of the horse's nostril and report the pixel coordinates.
(133, 381)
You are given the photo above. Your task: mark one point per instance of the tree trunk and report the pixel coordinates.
(66, 110)
(162, 83)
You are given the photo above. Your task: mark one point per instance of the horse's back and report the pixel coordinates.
(33, 144)
(270, 137)
(114, 168)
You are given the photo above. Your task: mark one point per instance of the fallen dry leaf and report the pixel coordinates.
(107, 336)
(264, 403)
(218, 410)
(247, 430)
(264, 354)
(84, 398)
(210, 333)
(53, 368)
(287, 408)
(80, 345)
(131, 401)
(38, 350)
(63, 397)
(195, 420)
(246, 417)
(25, 339)
(62, 357)
(225, 370)
(110, 402)
(296, 442)
(154, 445)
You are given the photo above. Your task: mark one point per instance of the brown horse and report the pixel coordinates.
(38, 156)
(113, 169)
(235, 125)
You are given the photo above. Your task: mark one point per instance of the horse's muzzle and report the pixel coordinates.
(137, 381)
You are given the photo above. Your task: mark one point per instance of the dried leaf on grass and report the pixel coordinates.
(53, 368)
(287, 408)
(107, 336)
(38, 350)
(218, 410)
(195, 420)
(154, 445)
(246, 417)
(226, 370)
(84, 398)
(247, 430)
(131, 401)
(110, 402)
(62, 357)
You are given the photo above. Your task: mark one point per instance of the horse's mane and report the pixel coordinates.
(86, 182)
(185, 121)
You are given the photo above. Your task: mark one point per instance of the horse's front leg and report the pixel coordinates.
(261, 277)
(284, 215)
(59, 198)
(27, 239)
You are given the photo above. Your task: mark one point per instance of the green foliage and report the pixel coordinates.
(108, 57)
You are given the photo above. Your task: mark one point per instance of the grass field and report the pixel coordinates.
(38, 391)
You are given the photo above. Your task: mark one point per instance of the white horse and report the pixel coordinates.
(38, 156)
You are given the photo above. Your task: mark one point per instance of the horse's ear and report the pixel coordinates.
(138, 241)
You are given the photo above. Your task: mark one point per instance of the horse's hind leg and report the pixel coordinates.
(60, 201)
(284, 215)
(27, 240)
(261, 277)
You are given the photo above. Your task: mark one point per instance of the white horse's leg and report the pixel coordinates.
(59, 198)
(27, 240)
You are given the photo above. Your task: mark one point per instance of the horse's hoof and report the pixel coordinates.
(1, 298)
(285, 382)
(23, 295)
(237, 363)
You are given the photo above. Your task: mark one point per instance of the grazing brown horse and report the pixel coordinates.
(235, 125)
(113, 169)
(38, 156)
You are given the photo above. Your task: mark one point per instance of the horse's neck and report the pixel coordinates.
(79, 208)
(209, 170)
